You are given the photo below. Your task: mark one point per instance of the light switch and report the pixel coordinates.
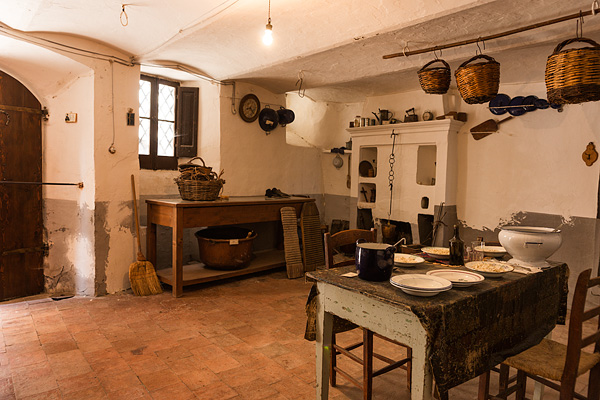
(71, 117)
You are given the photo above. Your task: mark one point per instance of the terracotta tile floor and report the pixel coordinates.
(239, 339)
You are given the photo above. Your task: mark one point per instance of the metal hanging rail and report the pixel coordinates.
(495, 36)
(79, 184)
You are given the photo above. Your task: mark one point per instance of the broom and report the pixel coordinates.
(142, 276)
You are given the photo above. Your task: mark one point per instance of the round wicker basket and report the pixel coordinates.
(196, 190)
(435, 80)
(573, 76)
(478, 83)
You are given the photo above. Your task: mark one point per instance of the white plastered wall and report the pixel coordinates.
(68, 157)
(115, 91)
(533, 163)
(254, 161)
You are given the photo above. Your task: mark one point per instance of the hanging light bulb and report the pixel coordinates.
(268, 36)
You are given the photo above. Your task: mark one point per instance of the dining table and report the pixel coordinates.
(455, 335)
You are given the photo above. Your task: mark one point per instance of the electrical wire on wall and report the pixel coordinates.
(112, 149)
(52, 45)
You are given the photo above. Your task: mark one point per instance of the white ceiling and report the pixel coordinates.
(337, 44)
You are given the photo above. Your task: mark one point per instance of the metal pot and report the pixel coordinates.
(286, 116)
(225, 248)
(268, 119)
(374, 261)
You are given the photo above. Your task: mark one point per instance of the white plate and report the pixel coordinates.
(457, 277)
(483, 268)
(421, 282)
(491, 251)
(407, 260)
(421, 293)
(442, 253)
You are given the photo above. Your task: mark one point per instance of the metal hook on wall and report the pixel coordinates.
(123, 17)
(579, 26)
(405, 49)
(479, 48)
(299, 83)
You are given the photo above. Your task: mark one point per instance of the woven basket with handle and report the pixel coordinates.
(195, 190)
(435, 80)
(190, 166)
(478, 83)
(573, 76)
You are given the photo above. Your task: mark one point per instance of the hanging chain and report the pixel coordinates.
(392, 161)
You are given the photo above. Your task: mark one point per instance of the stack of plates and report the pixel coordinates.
(421, 284)
(457, 277)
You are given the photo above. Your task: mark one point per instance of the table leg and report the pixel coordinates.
(323, 349)
(422, 379)
(177, 262)
(151, 238)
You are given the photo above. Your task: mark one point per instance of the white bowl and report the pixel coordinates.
(489, 269)
(441, 253)
(407, 260)
(529, 245)
(491, 251)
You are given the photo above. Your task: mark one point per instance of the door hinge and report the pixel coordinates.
(45, 248)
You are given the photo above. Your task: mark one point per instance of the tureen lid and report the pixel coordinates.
(530, 229)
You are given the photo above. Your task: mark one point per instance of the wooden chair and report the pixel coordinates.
(347, 240)
(550, 361)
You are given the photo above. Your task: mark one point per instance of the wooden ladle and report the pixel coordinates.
(486, 128)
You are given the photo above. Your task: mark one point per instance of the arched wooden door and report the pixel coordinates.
(21, 222)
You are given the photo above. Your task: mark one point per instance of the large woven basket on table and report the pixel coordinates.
(478, 83)
(573, 76)
(198, 182)
(435, 80)
(199, 190)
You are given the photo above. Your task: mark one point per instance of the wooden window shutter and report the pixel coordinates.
(187, 132)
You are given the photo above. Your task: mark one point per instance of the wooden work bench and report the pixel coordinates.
(181, 214)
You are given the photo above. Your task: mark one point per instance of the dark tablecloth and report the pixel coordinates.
(470, 329)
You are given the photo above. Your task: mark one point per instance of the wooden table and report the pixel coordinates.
(181, 214)
(386, 310)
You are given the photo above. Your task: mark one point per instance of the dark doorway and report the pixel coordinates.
(21, 233)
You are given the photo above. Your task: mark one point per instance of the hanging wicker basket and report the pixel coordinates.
(435, 80)
(478, 83)
(573, 76)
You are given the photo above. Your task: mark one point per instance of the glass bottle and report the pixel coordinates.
(457, 249)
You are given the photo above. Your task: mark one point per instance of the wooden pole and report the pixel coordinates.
(495, 36)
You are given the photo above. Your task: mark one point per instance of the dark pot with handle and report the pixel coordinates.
(374, 261)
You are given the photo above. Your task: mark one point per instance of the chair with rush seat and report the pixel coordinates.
(550, 362)
(347, 239)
